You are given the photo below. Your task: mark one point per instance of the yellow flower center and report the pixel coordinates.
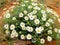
(28, 36)
(38, 30)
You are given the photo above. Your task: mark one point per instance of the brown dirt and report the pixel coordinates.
(54, 4)
(50, 43)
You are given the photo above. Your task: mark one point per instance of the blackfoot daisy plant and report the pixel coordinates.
(31, 21)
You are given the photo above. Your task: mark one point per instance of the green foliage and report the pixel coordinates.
(40, 30)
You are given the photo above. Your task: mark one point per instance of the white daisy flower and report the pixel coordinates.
(34, 11)
(43, 11)
(49, 31)
(50, 20)
(24, 28)
(22, 36)
(41, 4)
(56, 30)
(12, 36)
(29, 37)
(36, 21)
(43, 18)
(7, 15)
(58, 19)
(39, 8)
(55, 14)
(42, 41)
(25, 12)
(6, 26)
(22, 24)
(16, 34)
(27, 27)
(59, 31)
(30, 14)
(35, 17)
(49, 38)
(14, 18)
(26, 18)
(50, 27)
(34, 4)
(38, 31)
(36, 8)
(12, 27)
(23, 5)
(31, 17)
(30, 29)
(30, 6)
(44, 15)
(20, 32)
(47, 24)
(21, 14)
(48, 10)
(41, 28)
(13, 31)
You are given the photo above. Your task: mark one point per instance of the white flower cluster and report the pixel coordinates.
(39, 29)
(32, 22)
(29, 36)
(14, 34)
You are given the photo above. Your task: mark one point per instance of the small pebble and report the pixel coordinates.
(0, 17)
(14, 3)
(4, 9)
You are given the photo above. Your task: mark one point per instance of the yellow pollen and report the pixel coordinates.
(38, 30)
(28, 36)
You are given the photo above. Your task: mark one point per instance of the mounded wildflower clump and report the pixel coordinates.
(31, 21)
